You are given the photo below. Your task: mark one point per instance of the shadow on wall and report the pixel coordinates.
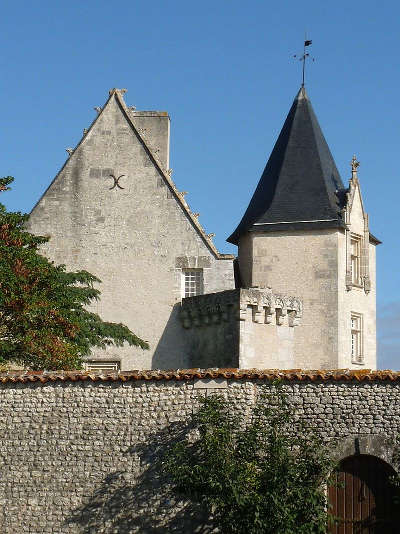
(141, 501)
(170, 350)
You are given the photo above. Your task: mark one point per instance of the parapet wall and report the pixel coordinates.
(243, 328)
(80, 451)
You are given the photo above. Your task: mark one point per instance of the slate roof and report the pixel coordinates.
(292, 375)
(300, 186)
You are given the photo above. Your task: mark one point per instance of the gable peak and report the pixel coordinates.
(119, 91)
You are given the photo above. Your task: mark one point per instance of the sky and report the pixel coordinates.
(225, 72)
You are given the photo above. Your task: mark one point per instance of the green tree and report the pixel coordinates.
(44, 323)
(268, 476)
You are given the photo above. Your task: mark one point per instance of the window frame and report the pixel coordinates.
(355, 259)
(198, 283)
(357, 334)
(101, 365)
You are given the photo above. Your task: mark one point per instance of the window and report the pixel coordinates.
(192, 281)
(99, 365)
(356, 338)
(355, 255)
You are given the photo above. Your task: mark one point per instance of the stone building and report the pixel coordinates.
(301, 293)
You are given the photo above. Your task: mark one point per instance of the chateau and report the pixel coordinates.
(82, 450)
(300, 294)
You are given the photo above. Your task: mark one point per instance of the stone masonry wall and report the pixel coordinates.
(81, 455)
(137, 237)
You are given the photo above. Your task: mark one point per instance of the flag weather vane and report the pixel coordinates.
(303, 57)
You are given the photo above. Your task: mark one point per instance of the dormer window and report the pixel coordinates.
(355, 259)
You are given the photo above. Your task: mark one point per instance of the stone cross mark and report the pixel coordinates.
(116, 181)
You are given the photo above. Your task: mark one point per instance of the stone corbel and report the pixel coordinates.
(349, 281)
(293, 318)
(280, 316)
(186, 319)
(367, 284)
(196, 317)
(225, 315)
(268, 315)
(205, 317)
(216, 317)
(258, 314)
(242, 311)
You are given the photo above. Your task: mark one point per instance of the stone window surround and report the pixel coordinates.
(192, 282)
(357, 330)
(355, 259)
(102, 365)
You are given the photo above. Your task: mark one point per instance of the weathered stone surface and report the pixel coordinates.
(134, 231)
(244, 328)
(83, 457)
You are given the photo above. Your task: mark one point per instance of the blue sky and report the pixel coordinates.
(224, 70)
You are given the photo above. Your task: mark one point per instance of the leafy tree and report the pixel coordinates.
(44, 323)
(264, 477)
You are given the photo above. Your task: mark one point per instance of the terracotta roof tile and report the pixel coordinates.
(365, 375)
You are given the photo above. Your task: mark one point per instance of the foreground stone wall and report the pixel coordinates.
(80, 453)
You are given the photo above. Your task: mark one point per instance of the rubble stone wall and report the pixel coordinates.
(83, 456)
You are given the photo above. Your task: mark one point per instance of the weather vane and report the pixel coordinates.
(304, 56)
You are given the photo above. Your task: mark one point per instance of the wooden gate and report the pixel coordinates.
(363, 497)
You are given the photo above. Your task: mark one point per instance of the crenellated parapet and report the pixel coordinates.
(258, 305)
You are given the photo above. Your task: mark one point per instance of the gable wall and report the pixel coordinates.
(136, 239)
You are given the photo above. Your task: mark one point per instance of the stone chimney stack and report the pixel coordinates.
(154, 126)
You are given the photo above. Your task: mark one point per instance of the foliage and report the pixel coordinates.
(264, 477)
(44, 323)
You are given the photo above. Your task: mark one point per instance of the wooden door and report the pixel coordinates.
(363, 497)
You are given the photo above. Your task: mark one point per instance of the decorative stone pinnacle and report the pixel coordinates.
(354, 166)
(132, 108)
(183, 193)
(69, 150)
(211, 235)
(197, 214)
(169, 172)
(85, 131)
(114, 90)
(97, 108)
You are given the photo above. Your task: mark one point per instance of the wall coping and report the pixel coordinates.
(292, 375)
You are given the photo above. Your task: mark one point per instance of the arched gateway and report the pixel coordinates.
(363, 497)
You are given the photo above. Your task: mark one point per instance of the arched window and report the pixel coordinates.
(363, 498)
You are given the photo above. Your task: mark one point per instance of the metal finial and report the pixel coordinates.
(303, 57)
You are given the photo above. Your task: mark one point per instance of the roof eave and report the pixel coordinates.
(283, 226)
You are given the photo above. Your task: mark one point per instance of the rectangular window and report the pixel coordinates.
(192, 282)
(98, 365)
(355, 255)
(356, 338)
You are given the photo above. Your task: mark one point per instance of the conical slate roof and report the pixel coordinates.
(300, 186)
